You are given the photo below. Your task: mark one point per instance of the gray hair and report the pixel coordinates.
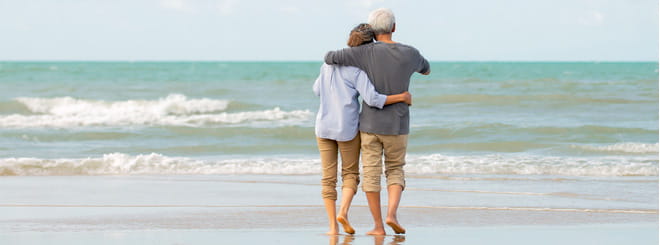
(381, 21)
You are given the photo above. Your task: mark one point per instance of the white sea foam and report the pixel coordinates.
(622, 147)
(173, 110)
(533, 165)
(156, 164)
(173, 104)
(123, 164)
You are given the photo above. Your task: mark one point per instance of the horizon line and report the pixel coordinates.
(448, 61)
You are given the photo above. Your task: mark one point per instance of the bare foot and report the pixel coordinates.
(347, 226)
(398, 229)
(377, 232)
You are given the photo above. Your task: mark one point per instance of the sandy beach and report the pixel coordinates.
(263, 209)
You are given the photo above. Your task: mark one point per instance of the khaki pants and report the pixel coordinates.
(373, 148)
(350, 170)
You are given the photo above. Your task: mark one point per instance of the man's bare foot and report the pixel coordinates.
(347, 226)
(377, 232)
(398, 229)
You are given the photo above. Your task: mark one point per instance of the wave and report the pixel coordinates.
(173, 104)
(157, 164)
(621, 148)
(153, 164)
(534, 165)
(173, 110)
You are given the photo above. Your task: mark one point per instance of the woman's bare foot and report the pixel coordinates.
(347, 226)
(398, 229)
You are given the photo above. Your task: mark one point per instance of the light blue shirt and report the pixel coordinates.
(338, 87)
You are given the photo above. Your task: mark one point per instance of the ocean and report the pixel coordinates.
(209, 118)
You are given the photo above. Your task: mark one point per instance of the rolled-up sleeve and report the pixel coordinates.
(368, 91)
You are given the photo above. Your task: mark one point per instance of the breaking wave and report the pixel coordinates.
(621, 148)
(173, 110)
(157, 164)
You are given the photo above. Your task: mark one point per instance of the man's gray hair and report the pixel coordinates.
(381, 21)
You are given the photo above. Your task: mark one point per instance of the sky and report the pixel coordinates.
(303, 30)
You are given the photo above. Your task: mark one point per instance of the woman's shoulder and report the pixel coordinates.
(348, 69)
(345, 72)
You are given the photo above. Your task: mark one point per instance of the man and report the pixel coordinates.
(389, 65)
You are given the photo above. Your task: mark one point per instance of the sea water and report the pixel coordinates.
(523, 118)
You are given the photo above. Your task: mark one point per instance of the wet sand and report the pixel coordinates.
(288, 210)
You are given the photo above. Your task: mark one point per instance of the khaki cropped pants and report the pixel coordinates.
(350, 170)
(374, 146)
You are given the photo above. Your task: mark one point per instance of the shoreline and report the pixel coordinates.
(288, 209)
(119, 218)
(577, 234)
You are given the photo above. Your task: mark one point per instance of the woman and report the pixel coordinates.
(337, 127)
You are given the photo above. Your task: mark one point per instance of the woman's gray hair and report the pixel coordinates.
(381, 20)
(361, 34)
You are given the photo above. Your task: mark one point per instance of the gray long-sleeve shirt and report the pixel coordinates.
(389, 67)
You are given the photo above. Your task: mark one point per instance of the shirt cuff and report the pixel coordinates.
(380, 101)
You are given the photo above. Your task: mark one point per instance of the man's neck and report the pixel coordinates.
(385, 38)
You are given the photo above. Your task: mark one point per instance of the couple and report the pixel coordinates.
(380, 72)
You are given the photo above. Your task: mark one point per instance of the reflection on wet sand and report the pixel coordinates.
(378, 240)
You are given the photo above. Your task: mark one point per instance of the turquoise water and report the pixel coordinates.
(579, 119)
